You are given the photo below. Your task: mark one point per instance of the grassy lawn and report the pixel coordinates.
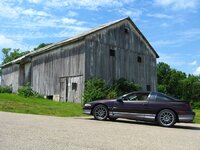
(197, 116)
(19, 104)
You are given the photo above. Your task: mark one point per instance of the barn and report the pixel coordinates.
(111, 51)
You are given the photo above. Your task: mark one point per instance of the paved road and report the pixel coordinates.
(27, 132)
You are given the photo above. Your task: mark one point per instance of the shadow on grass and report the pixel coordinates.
(176, 126)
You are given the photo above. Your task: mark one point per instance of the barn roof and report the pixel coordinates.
(77, 38)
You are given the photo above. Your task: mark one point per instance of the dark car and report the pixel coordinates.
(144, 106)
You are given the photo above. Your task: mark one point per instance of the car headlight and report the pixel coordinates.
(87, 105)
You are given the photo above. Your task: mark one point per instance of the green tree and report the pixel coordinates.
(174, 86)
(10, 54)
(177, 83)
(163, 73)
(191, 88)
(41, 46)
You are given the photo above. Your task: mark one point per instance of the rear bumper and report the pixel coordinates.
(187, 117)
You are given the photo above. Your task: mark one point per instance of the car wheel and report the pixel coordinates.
(166, 118)
(112, 119)
(100, 112)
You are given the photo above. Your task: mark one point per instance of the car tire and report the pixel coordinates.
(166, 118)
(100, 112)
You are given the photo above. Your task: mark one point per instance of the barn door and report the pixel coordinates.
(63, 89)
(75, 89)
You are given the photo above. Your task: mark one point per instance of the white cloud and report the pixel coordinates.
(165, 25)
(87, 4)
(72, 21)
(134, 13)
(193, 63)
(177, 4)
(72, 13)
(36, 23)
(32, 12)
(192, 33)
(35, 1)
(70, 31)
(8, 11)
(6, 42)
(197, 71)
(170, 43)
(160, 16)
(175, 60)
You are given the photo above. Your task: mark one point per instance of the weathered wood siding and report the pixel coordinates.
(127, 46)
(10, 76)
(63, 62)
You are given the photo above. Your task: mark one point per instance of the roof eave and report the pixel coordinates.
(156, 54)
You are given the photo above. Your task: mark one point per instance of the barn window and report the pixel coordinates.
(139, 59)
(112, 52)
(126, 29)
(74, 86)
(148, 87)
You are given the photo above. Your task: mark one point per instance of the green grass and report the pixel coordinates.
(19, 104)
(197, 116)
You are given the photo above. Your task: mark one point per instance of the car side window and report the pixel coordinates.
(161, 97)
(138, 97)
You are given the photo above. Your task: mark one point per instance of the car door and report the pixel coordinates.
(132, 106)
(155, 104)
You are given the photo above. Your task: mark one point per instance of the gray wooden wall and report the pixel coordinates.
(48, 68)
(10, 76)
(127, 46)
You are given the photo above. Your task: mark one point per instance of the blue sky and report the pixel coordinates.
(171, 26)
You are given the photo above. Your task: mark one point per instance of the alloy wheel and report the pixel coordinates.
(100, 112)
(166, 118)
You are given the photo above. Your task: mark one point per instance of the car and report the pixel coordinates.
(142, 106)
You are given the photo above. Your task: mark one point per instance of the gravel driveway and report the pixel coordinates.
(26, 132)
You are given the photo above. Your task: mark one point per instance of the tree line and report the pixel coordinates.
(177, 83)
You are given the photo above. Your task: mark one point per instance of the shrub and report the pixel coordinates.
(5, 89)
(112, 93)
(196, 105)
(123, 86)
(94, 89)
(27, 91)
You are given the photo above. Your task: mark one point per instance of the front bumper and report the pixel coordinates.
(187, 117)
(87, 111)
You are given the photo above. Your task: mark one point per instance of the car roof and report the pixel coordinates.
(137, 92)
(140, 92)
